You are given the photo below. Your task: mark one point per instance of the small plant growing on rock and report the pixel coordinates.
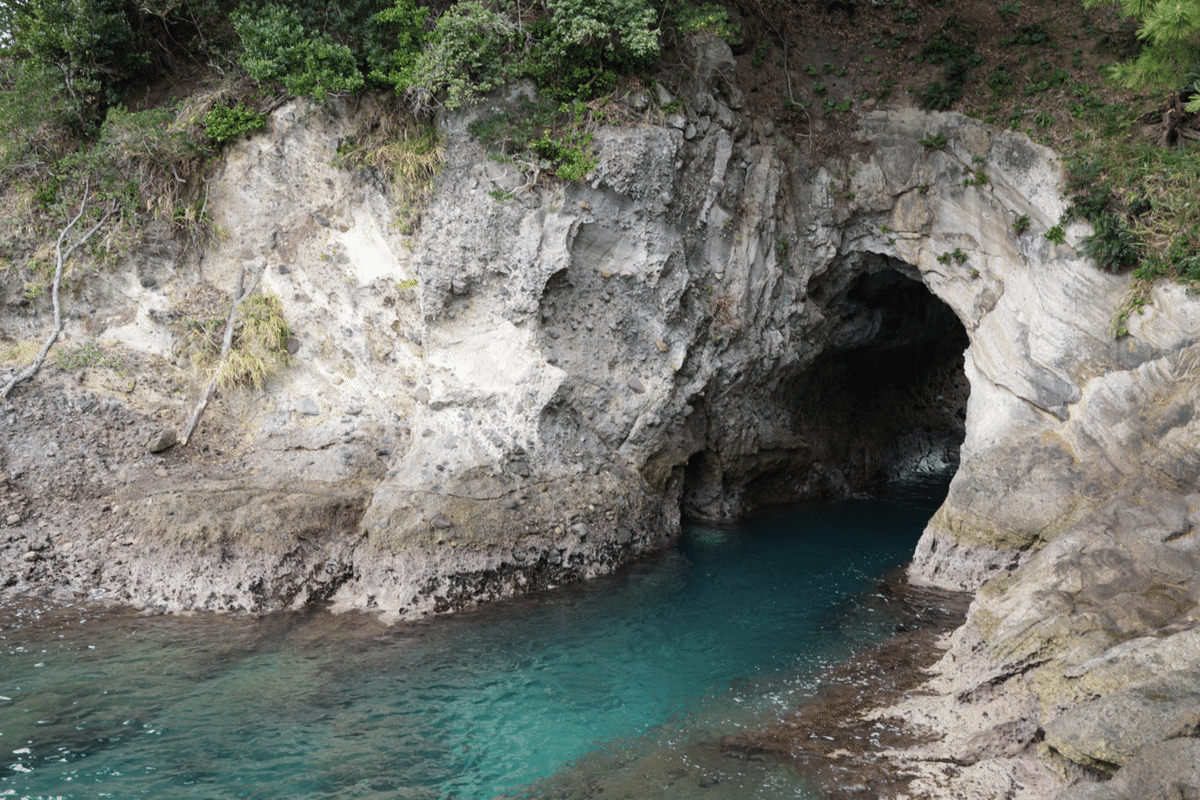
(978, 178)
(1009, 10)
(957, 256)
(933, 142)
(722, 316)
(760, 55)
(1021, 224)
(1056, 234)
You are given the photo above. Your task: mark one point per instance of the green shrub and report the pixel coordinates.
(225, 124)
(939, 95)
(94, 46)
(999, 80)
(278, 47)
(1168, 58)
(1009, 10)
(1027, 35)
(1114, 246)
(395, 38)
(707, 18)
(556, 135)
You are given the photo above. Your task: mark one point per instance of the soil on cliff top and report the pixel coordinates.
(1034, 65)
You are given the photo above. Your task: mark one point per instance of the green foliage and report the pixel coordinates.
(1028, 36)
(471, 51)
(762, 50)
(33, 109)
(939, 95)
(935, 141)
(87, 354)
(707, 18)
(1113, 245)
(1021, 224)
(394, 43)
(555, 137)
(958, 256)
(1010, 10)
(1056, 234)
(999, 80)
(1170, 33)
(278, 47)
(224, 124)
(942, 48)
(93, 45)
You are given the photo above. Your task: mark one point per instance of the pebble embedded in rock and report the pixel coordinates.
(13, 519)
(636, 385)
(30, 556)
(421, 395)
(308, 407)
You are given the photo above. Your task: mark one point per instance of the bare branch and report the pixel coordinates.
(60, 261)
(239, 294)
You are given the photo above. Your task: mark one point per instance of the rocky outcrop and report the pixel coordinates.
(712, 321)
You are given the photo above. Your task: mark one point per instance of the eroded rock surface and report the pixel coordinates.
(711, 322)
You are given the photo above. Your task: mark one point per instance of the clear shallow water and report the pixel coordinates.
(623, 684)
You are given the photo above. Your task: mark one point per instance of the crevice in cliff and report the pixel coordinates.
(887, 398)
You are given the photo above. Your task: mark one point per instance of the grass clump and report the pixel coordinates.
(88, 354)
(407, 152)
(259, 350)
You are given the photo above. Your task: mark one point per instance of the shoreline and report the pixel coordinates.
(835, 737)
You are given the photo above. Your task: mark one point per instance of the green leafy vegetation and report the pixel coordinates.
(1009, 10)
(541, 136)
(933, 141)
(224, 124)
(278, 47)
(91, 353)
(1170, 57)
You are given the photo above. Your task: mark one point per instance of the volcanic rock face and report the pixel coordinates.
(713, 321)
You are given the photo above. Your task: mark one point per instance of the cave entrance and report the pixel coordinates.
(885, 398)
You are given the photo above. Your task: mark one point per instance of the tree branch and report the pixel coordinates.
(60, 261)
(239, 294)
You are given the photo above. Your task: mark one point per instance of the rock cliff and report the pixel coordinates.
(714, 320)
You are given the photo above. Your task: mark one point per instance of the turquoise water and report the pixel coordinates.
(622, 685)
